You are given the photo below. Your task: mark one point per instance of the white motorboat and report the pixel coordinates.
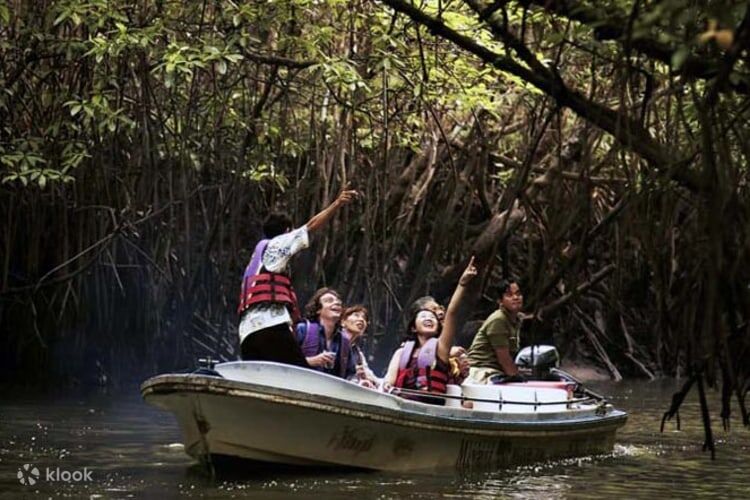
(284, 414)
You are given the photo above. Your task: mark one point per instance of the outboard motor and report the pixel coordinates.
(540, 359)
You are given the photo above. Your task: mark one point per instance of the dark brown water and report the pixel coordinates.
(132, 451)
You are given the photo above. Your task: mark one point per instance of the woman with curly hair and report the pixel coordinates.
(320, 336)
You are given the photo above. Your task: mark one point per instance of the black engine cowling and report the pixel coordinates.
(539, 359)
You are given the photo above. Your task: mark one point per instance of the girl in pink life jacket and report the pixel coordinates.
(422, 362)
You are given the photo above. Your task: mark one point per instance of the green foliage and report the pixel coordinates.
(4, 12)
(97, 113)
(266, 174)
(23, 163)
(181, 74)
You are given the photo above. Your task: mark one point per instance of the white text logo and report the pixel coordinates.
(29, 475)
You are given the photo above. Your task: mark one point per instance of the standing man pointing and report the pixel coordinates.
(268, 304)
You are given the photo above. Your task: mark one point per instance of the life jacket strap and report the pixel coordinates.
(311, 341)
(273, 278)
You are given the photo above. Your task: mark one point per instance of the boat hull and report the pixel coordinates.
(289, 425)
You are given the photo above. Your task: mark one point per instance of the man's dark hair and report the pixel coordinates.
(276, 223)
(313, 307)
(504, 285)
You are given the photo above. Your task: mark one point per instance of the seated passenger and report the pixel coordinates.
(428, 302)
(324, 346)
(422, 362)
(459, 360)
(354, 322)
(497, 341)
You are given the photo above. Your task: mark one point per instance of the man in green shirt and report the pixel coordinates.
(497, 341)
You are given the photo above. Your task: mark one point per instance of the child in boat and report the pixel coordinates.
(422, 362)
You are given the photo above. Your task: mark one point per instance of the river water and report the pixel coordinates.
(119, 447)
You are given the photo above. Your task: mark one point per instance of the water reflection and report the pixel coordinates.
(134, 450)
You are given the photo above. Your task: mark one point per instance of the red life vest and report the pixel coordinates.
(311, 345)
(429, 373)
(267, 287)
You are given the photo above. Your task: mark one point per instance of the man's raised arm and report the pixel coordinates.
(321, 218)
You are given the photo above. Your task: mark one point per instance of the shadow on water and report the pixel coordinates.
(133, 450)
(225, 468)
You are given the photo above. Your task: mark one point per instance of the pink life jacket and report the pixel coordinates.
(428, 373)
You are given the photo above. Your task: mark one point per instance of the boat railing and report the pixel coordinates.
(563, 375)
(500, 401)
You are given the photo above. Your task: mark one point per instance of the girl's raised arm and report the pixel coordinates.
(445, 342)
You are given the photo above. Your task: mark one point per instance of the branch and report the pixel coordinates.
(580, 176)
(677, 399)
(277, 60)
(580, 289)
(603, 356)
(626, 131)
(613, 26)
